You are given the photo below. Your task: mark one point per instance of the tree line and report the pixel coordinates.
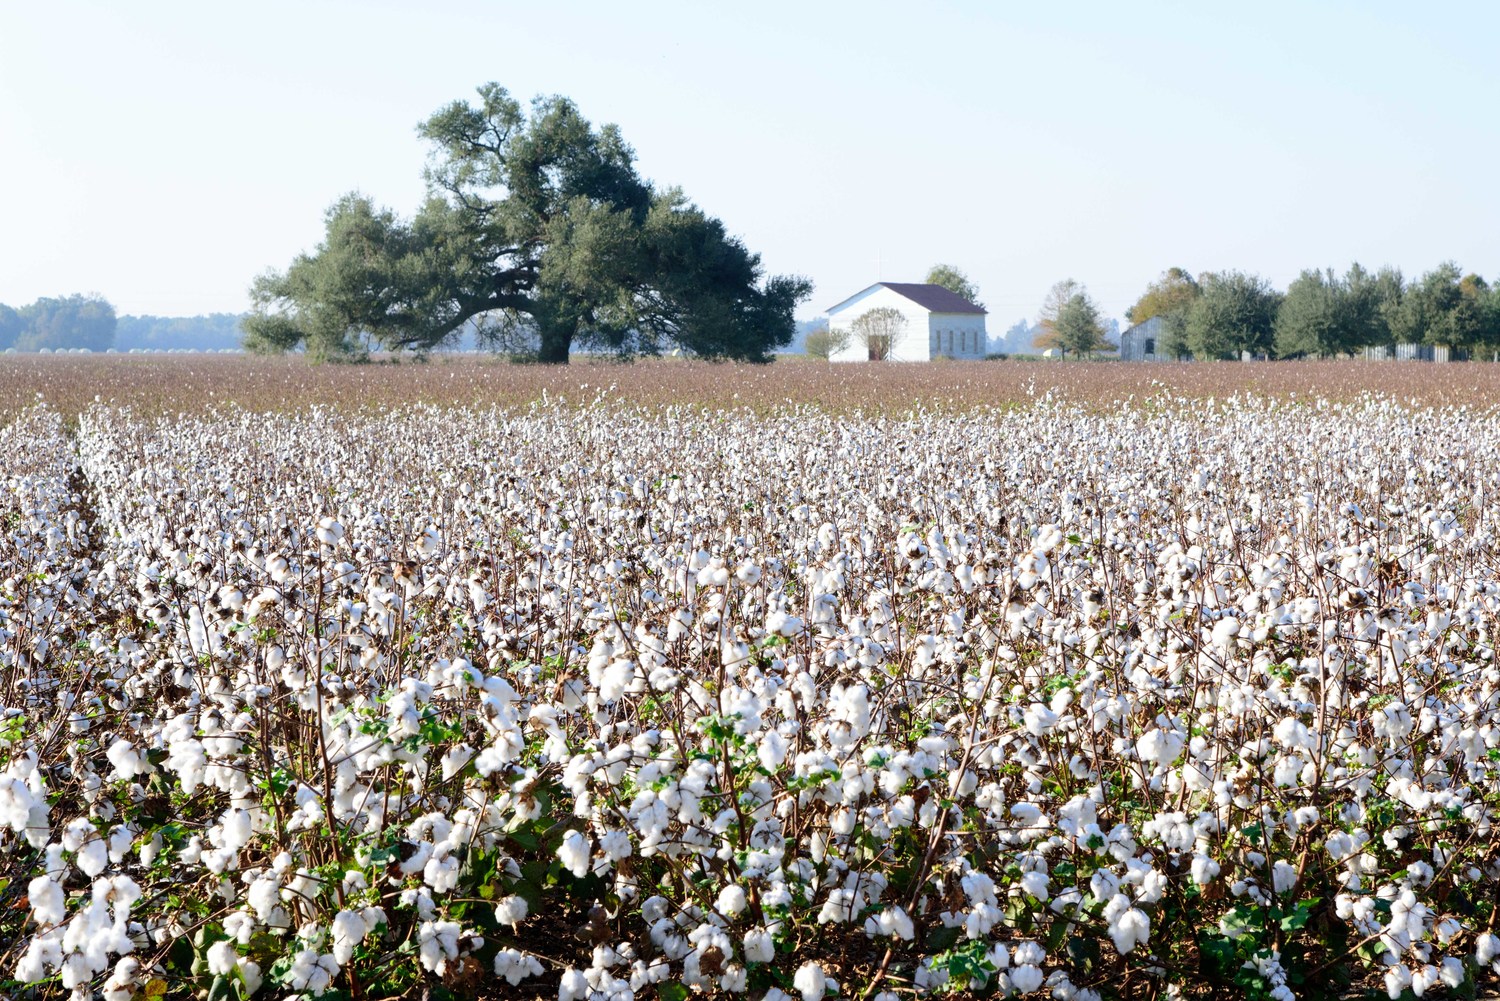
(52, 324)
(1232, 314)
(89, 322)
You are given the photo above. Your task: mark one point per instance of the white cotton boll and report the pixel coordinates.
(127, 761)
(1026, 814)
(574, 986)
(250, 974)
(1283, 877)
(1451, 972)
(437, 942)
(1129, 928)
(239, 926)
(122, 980)
(759, 945)
(1204, 869)
(222, 958)
(1160, 746)
(731, 902)
(453, 762)
(1034, 884)
(311, 972)
(93, 857)
(811, 981)
(515, 967)
(615, 680)
(894, 921)
(771, 750)
(1039, 719)
(1225, 631)
(511, 910)
(349, 930)
(1026, 978)
(1486, 948)
(48, 904)
(575, 853)
(329, 531)
(1423, 978)
(779, 623)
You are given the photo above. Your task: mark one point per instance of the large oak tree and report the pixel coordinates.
(537, 232)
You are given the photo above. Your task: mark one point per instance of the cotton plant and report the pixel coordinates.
(720, 695)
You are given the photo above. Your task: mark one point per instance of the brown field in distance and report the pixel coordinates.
(191, 383)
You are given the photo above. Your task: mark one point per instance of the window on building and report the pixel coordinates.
(1151, 345)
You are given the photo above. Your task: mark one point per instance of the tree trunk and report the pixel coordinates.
(556, 340)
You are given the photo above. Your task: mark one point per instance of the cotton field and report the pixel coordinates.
(1170, 699)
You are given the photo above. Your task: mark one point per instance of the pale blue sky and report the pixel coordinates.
(163, 154)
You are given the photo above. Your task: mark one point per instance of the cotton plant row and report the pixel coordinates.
(597, 702)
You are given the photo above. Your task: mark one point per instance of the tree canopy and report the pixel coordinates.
(1447, 307)
(11, 326)
(538, 230)
(1233, 315)
(1069, 321)
(1324, 314)
(62, 323)
(954, 281)
(824, 342)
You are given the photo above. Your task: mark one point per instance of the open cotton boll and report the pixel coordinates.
(731, 902)
(93, 857)
(329, 531)
(47, 900)
(1039, 719)
(511, 910)
(514, 967)
(1487, 950)
(1160, 746)
(780, 623)
(575, 853)
(222, 958)
(349, 929)
(1026, 978)
(127, 761)
(1034, 884)
(811, 981)
(574, 986)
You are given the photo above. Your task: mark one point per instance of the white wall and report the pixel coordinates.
(927, 334)
(957, 335)
(911, 346)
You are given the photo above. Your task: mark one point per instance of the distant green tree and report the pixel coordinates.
(207, 332)
(1448, 308)
(1079, 328)
(1045, 336)
(12, 325)
(954, 281)
(1315, 317)
(1069, 321)
(1169, 297)
(1370, 301)
(825, 342)
(537, 229)
(1235, 313)
(75, 321)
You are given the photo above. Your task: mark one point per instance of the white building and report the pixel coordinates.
(939, 323)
